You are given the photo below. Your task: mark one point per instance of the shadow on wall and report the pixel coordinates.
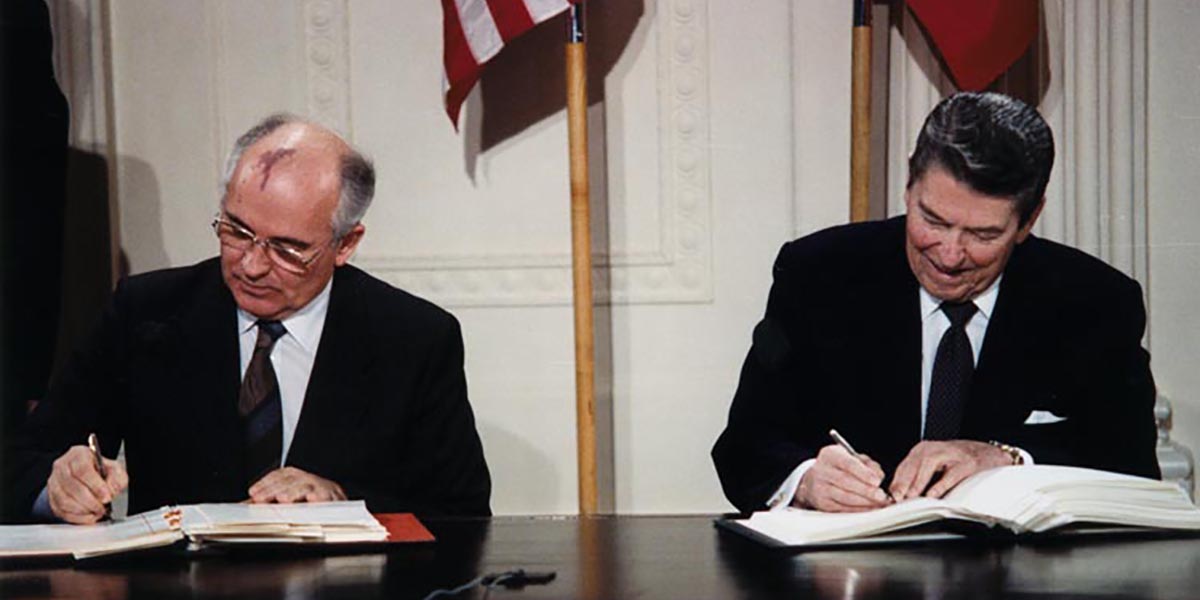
(140, 201)
(532, 482)
(87, 276)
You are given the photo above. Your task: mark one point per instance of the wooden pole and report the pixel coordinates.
(860, 113)
(581, 263)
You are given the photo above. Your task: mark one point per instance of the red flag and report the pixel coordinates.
(474, 31)
(978, 39)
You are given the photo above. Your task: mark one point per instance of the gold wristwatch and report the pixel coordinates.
(1012, 453)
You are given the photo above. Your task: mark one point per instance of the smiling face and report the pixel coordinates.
(285, 188)
(959, 240)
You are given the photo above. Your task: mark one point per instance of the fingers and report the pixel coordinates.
(76, 492)
(841, 482)
(265, 489)
(915, 471)
(289, 484)
(932, 469)
(118, 477)
(951, 477)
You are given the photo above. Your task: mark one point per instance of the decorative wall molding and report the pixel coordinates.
(676, 267)
(327, 63)
(1095, 102)
(1102, 132)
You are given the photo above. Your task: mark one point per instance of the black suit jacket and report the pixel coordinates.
(840, 347)
(385, 414)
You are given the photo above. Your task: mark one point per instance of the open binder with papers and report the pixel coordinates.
(315, 523)
(1020, 499)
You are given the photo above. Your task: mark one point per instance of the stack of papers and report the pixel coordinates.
(319, 522)
(327, 522)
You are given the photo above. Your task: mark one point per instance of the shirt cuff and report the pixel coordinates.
(782, 498)
(41, 506)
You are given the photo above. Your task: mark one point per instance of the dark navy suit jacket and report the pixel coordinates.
(840, 346)
(385, 414)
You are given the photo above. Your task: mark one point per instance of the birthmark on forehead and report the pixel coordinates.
(267, 161)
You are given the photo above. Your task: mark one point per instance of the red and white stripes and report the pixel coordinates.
(474, 31)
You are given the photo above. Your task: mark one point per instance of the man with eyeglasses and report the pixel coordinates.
(273, 373)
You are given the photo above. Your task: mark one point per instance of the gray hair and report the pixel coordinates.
(357, 186)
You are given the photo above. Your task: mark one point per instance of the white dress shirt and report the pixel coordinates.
(934, 324)
(292, 357)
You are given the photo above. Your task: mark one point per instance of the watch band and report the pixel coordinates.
(1012, 452)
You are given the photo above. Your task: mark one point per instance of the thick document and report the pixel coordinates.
(304, 523)
(1019, 500)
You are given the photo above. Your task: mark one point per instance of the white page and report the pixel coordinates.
(148, 528)
(1036, 496)
(794, 526)
(210, 517)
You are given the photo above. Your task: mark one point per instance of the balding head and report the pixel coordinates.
(286, 145)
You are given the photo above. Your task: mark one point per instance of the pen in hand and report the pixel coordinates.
(94, 446)
(841, 441)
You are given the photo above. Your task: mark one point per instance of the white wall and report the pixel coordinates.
(723, 132)
(1173, 182)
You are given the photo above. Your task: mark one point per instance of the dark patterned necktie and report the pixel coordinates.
(260, 407)
(950, 383)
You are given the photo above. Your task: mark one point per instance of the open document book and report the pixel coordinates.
(325, 522)
(1023, 499)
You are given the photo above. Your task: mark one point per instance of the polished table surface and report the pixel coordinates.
(640, 557)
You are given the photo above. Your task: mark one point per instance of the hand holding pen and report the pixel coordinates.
(98, 458)
(842, 480)
(841, 441)
(82, 484)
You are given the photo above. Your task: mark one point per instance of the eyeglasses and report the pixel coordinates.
(288, 258)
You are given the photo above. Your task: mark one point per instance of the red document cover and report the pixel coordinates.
(403, 527)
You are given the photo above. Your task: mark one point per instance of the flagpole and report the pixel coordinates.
(581, 261)
(860, 113)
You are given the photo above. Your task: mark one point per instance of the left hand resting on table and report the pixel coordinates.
(289, 484)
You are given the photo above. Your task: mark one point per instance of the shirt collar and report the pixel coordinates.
(304, 325)
(985, 302)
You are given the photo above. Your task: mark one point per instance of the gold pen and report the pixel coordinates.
(841, 441)
(94, 446)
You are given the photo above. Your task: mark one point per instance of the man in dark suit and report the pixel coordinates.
(274, 373)
(943, 342)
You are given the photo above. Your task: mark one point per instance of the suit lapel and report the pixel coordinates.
(335, 398)
(1001, 367)
(900, 344)
(207, 384)
(887, 346)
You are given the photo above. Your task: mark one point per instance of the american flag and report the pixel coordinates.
(474, 31)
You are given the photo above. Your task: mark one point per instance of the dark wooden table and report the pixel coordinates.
(641, 557)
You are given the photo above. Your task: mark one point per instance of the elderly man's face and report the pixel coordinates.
(959, 240)
(285, 189)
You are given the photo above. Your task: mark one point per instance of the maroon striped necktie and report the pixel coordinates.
(260, 407)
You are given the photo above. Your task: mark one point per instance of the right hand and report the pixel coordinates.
(840, 482)
(76, 491)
